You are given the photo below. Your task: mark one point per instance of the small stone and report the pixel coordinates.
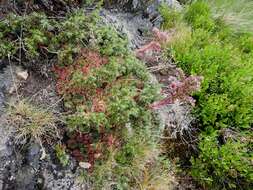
(164, 72)
(43, 155)
(22, 75)
(11, 90)
(39, 180)
(135, 4)
(85, 165)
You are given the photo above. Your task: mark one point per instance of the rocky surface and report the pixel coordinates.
(137, 26)
(20, 164)
(140, 5)
(5, 84)
(5, 152)
(6, 148)
(134, 28)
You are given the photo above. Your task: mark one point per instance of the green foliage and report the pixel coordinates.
(245, 43)
(225, 101)
(109, 42)
(61, 154)
(220, 63)
(136, 165)
(107, 92)
(36, 35)
(27, 32)
(198, 14)
(223, 166)
(170, 16)
(112, 100)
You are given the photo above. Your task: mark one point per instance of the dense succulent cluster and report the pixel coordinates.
(180, 90)
(103, 93)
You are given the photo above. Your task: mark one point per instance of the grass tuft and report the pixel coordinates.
(32, 123)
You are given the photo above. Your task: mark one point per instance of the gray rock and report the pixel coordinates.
(53, 183)
(6, 151)
(26, 178)
(135, 4)
(140, 5)
(5, 84)
(33, 155)
(134, 28)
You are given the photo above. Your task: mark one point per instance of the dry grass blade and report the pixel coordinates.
(32, 123)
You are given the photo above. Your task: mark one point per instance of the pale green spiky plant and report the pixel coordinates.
(236, 13)
(31, 122)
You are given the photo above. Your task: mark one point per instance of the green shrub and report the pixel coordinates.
(221, 67)
(61, 154)
(111, 103)
(245, 43)
(198, 14)
(224, 166)
(224, 59)
(36, 35)
(109, 42)
(170, 16)
(107, 91)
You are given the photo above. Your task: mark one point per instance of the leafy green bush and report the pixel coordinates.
(223, 166)
(170, 16)
(109, 97)
(225, 101)
(221, 65)
(36, 35)
(198, 14)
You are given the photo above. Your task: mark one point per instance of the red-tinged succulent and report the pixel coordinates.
(180, 90)
(81, 147)
(90, 59)
(77, 155)
(180, 87)
(86, 60)
(98, 105)
(148, 51)
(160, 36)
